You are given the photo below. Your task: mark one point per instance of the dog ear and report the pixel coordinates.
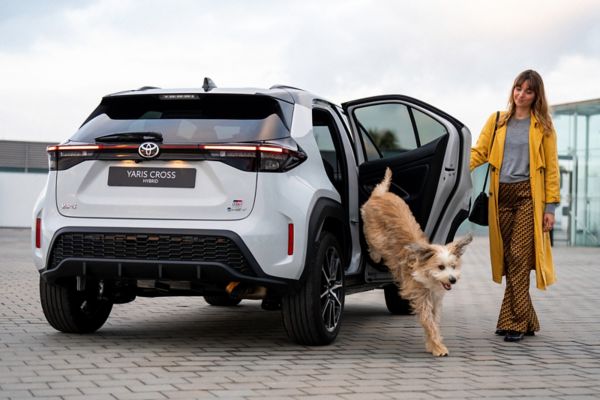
(422, 253)
(458, 246)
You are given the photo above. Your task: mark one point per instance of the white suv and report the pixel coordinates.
(238, 193)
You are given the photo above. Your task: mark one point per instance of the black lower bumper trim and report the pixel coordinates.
(206, 272)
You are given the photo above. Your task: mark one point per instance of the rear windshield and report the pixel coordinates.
(207, 118)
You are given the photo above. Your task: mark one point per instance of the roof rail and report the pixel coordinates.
(285, 87)
(148, 87)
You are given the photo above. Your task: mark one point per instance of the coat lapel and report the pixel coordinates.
(497, 151)
(536, 135)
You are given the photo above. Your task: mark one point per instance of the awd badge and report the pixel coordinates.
(236, 205)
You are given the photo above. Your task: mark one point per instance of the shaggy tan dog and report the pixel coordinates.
(422, 271)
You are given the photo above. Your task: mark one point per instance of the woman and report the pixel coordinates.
(524, 191)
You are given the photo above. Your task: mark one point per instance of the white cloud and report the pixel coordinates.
(575, 78)
(460, 56)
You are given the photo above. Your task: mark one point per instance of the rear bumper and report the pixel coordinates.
(203, 256)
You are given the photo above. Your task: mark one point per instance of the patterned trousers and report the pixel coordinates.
(515, 210)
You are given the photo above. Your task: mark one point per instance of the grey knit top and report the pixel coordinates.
(515, 165)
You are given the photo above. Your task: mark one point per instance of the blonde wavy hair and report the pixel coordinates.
(540, 107)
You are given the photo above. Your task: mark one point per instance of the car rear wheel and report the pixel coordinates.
(222, 301)
(71, 311)
(394, 302)
(312, 315)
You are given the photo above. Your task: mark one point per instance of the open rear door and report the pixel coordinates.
(427, 151)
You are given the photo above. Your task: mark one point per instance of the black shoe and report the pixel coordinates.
(513, 336)
(503, 332)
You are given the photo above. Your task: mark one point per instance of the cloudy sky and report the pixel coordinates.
(58, 58)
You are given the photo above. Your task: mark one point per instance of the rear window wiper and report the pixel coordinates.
(136, 137)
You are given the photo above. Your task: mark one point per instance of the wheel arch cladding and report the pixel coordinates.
(329, 216)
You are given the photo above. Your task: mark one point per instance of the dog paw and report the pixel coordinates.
(440, 351)
(376, 257)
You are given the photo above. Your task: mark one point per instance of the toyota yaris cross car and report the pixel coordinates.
(238, 193)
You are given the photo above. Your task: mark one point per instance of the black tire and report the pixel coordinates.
(396, 304)
(222, 301)
(313, 314)
(70, 311)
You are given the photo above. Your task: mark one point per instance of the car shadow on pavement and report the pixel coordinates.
(198, 328)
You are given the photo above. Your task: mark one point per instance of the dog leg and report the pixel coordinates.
(375, 256)
(433, 342)
(437, 317)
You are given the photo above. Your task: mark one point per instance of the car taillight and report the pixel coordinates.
(273, 156)
(279, 158)
(63, 157)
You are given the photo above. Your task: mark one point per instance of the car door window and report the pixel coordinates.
(371, 151)
(389, 128)
(323, 130)
(428, 129)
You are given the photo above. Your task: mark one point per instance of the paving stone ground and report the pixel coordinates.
(182, 348)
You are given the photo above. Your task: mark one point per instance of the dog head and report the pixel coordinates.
(437, 266)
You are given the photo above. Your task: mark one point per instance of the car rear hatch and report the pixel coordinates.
(172, 156)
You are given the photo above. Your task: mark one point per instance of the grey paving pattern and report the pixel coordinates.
(182, 348)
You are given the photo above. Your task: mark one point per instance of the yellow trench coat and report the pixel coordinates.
(544, 179)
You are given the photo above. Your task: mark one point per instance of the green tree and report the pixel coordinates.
(384, 140)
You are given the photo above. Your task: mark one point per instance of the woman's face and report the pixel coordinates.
(523, 95)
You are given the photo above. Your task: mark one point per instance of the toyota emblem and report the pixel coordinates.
(148, 150)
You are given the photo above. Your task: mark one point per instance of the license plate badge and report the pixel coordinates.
(152, 177)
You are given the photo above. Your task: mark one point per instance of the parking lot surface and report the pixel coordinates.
(183, 348)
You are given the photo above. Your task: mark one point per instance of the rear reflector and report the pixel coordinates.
(290, 239)
(38, 233)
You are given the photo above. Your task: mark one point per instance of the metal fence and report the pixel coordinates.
(16, 156)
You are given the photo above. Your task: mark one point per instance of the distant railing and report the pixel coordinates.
(17, 156)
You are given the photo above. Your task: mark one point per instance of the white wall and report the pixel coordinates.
(18, 194)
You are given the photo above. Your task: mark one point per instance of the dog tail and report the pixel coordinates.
(384, 186)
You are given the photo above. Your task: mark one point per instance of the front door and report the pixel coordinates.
(427, 151)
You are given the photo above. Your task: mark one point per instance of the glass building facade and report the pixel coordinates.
(578, 131)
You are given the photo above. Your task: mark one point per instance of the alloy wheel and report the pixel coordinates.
(331, 289)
